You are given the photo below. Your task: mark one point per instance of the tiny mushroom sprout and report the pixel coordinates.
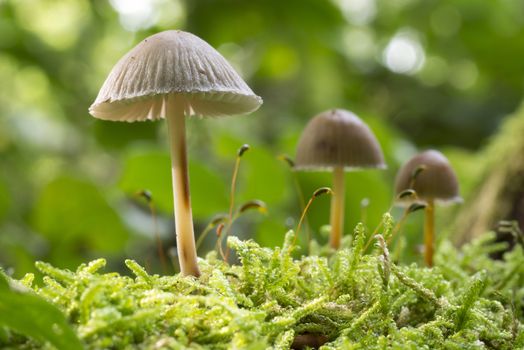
(338, 141)
(171, 75)
(430, 175)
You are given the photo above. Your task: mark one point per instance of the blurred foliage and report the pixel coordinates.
(499, 186)
(421, 73)
(73, 216)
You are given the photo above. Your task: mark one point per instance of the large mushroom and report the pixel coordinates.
(432, 178)
(338, 141)
(171, 75)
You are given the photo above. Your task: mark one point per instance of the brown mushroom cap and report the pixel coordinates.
(172, 62)
(338, 138)
(437, 181)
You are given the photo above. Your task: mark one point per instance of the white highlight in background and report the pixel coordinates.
(404, 54)
(142, 14)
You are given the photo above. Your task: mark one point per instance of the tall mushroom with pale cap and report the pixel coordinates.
(338, 141)
(432, 178)
(171, 75)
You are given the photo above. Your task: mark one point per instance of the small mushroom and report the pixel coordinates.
(171, 75)
(338, 141)
(430, 175)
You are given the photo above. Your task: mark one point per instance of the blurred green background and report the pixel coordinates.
(421, 73)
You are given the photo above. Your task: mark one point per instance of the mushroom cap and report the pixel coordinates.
(437, 181)
(338, 138)
(172, 63)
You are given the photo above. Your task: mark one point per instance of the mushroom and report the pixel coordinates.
(432, 178)
(338, 141)
(171, 75)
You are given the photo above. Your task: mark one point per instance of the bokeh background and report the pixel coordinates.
(422, 74)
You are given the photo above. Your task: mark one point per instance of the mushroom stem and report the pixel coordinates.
(337, 207)
(429, 232)
(185, 237)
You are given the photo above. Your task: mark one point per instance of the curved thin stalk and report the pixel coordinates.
(300, 195)
(240, 152)
(215, 222)
(302, 203)
(429, 232)
(399, 224)
(159, 246)
(185, 237)
(321, 191)
(337, 208)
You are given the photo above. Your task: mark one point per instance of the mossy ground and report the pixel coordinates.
(343, 300)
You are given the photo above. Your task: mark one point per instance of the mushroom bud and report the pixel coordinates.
(338, 141)
(171, 75)
(430, 175)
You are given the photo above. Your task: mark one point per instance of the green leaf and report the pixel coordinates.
(3, 280)
(72, 214)
(361, 184)
(151, 170)
(32, 316)
(271, 230)
(208, 190)
(261, 175)
(119, 135)
(4, 200)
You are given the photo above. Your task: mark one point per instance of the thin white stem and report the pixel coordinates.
(185, 237)
(337, 208)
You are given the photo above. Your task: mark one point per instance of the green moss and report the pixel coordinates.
(350, 299)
